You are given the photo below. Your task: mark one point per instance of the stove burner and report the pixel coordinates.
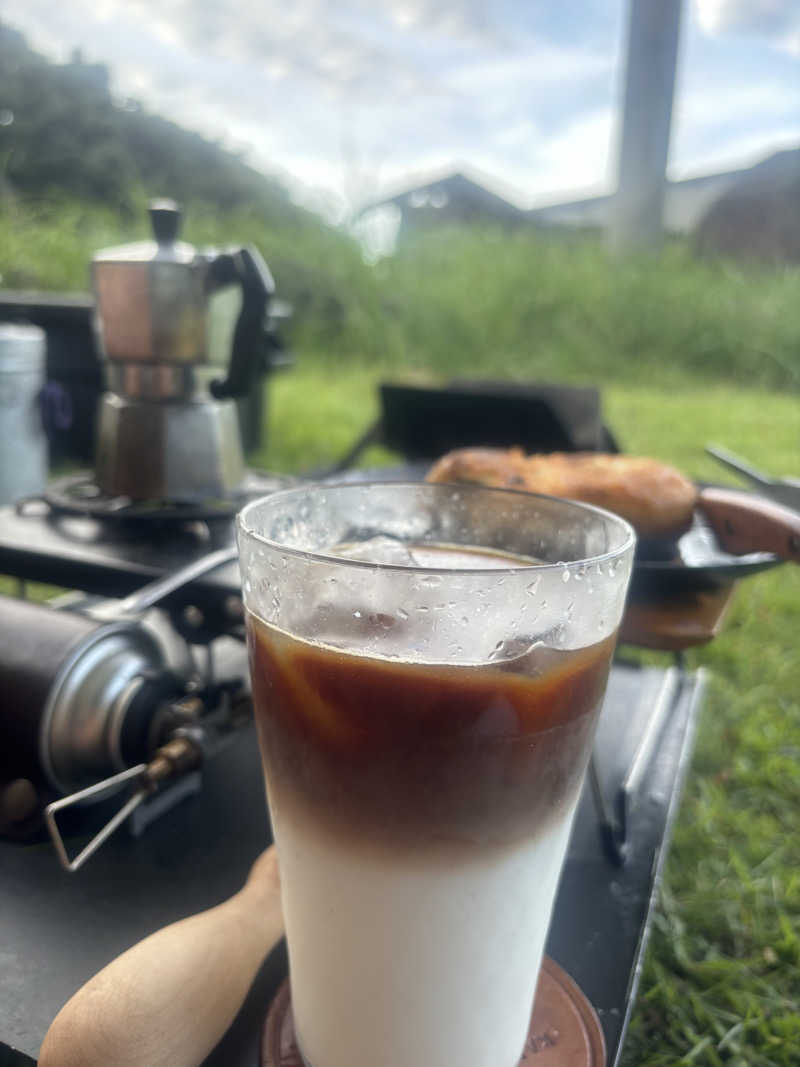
(79, 494)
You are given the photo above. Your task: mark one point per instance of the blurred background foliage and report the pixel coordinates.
(77, 167)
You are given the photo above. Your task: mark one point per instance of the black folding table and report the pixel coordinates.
(57, 929)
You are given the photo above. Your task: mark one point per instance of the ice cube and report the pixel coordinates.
(529, 655)
(379, 549)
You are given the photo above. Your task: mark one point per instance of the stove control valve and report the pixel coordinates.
(179, 756)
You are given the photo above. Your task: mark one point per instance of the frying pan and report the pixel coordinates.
(733, 534)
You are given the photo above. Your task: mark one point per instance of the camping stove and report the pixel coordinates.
(135, 677)
(99, 693)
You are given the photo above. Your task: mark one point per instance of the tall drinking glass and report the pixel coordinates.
(428, 663)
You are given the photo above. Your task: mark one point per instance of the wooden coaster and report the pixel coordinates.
(564, 1030)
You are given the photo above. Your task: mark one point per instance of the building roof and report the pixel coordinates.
(686, 200)
(450, 182)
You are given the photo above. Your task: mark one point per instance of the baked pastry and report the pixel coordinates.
(656, 499)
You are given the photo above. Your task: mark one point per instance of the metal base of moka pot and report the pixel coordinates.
(168, 450)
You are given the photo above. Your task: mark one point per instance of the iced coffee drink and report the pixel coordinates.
(428, 663)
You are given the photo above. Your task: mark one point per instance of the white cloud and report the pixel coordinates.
(536, 64)
(517, 135)
(577, 158)
(711, 106)
(776, 20)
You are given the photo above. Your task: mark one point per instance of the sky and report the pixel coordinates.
(345, 99)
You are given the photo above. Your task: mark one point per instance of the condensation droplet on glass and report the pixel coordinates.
(565, 574)
(430, 580)
(423, 608)
(402, 613)
(534, 585)
(464, 620)
(356, 614)
(247, 586)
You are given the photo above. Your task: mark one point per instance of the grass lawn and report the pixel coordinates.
(722, 976)
(315, 412)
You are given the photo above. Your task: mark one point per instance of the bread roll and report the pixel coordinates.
(655, 498)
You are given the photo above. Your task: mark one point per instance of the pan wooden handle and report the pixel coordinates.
(167, 1001)
(744, 523)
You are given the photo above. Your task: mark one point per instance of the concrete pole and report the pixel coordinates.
(638, 206)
